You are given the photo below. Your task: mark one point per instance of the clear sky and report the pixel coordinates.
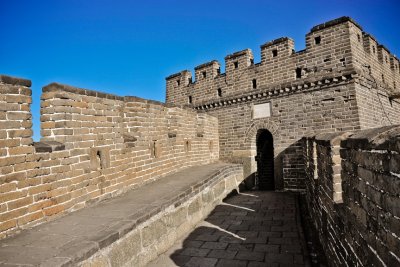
(129, 47)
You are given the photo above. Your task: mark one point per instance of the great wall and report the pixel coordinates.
(323, 122)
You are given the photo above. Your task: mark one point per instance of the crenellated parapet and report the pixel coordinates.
(331, 48)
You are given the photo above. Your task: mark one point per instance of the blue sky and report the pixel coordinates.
(129, 47)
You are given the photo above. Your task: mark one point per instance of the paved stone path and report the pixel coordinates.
(255, 228)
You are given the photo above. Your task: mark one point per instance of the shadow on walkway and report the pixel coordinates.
(255, 228)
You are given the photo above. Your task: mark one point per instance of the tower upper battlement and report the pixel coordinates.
(333, 47)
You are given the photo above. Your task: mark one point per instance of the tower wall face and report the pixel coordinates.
(293, 115)
(375, 107)
(344, 80)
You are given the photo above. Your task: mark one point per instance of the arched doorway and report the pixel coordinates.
(265, 160)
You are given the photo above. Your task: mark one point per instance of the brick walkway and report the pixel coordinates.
(255, 228)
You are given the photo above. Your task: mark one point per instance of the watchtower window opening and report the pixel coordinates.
(190, 99)
(236, 64)
(251, 61)
(274, 53)
(204, 74)
(178, 82)
(98, 159)
(190, 80)
(373, 49)
(386, 59)
(383, 78)
(317, 40)
(254, 83)
(153, 149)
(188, 146)
(219, 92)
(298, 73)
(359, 38)
(219, 70)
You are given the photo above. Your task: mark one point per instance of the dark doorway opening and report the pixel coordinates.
(265, 160)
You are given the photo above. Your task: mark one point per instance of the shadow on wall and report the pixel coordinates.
(254, 228)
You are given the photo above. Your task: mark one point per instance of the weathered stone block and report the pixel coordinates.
(219, 188)
(176, 217)
(195, 206)
(123, 251)
(152, 232)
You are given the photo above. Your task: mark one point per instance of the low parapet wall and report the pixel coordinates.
(353, 185)
(94, 146)
(128, 230)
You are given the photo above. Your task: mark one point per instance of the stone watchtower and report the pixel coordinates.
(344, 80)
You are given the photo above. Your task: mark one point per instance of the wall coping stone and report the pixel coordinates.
(48, 146)
(332, 139)
(15, 81)
(53, 87)
(383, 138)
(176, 74)
(275, 41)
(238, 54)
(207, 64)
(333, 23)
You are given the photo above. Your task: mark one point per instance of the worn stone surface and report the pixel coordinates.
(272, 235)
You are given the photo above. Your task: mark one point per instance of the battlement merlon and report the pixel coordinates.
(177, 87)
(207, 71)
(15, 81)
(276, 49)
(239, 60)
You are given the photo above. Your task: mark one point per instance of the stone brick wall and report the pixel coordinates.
(335, 84)
(352, 195)
(375, 106)
(294, 114)
(94, 146)
(374, 59)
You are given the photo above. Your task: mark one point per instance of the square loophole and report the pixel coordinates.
(99, 158)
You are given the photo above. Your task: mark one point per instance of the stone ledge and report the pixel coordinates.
(128, 230)
(15, 81)
(334, 22)
(207, 64)
(52, 87)
(274, 42)
(48, 146)
(238, 54)
(383, 138)
(176, 74)
(310, 83)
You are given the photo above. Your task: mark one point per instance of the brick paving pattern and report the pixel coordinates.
(256, 228)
